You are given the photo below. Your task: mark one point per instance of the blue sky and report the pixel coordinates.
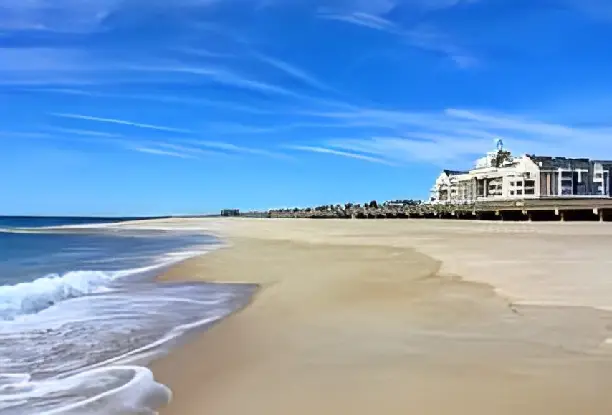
(134, 107)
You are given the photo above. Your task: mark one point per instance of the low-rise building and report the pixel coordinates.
(230, 212)
(501, 176)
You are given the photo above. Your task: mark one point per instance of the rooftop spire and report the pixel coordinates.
(500, 144)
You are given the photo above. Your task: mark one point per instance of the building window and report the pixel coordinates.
(529, 183)
(599, 175)
(518, 184)
(511, 192)
(530, 191)
(567, 174)
(519, 192)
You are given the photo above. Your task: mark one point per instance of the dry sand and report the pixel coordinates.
(399, 317)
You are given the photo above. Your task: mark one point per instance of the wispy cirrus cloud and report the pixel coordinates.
(191, 151)
(509, 123)
(66, 135)
(223, 129)
(293, 71)
(346, 154)
(371, 7)
(234, 148)
(368, 133)
(121, 122)
(229, 78)
(455, 137)
(159, 152)
(53, 15)
(161, 98)
(68, 69)
(60, 68)
(187, 145)
(68, 66)
(95, 15)
(425, 37)
(65, 91)
(63, 67)
(429, 38)
(364, 19)
(143, 145)
(86, 133)
(76, 15)
(204, 53)
(38, 65)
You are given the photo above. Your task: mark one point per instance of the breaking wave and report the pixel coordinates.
(33, 297)
(76, 341)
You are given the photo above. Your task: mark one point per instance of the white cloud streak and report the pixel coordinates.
(55, 15)
(454, 137)
(424, 37)
(121, 122)
(293, 71)
(94, 15)
(60, 68)
(270, 128)
(365, 20)
(187, 150)
(159, 152)
(431, 39)
(516, 124)
(204, 53)
(326, 150)
(370, 7)
(223, 76)
(234, 148)
(75, 15)
(65, 91)
(451, 136)
(116, 140)
(86, 133)
(169, 99)
(175, 146)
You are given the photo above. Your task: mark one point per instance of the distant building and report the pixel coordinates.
(500, 176)
(230, 212)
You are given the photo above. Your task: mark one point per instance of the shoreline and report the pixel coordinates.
(343, 320)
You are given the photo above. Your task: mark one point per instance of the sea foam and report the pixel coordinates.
(117, 390)
(77, 341)
(33, 297)
(71, 358)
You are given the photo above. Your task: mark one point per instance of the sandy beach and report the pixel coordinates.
(396, 317)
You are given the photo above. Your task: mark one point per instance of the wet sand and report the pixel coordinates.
(397, 317)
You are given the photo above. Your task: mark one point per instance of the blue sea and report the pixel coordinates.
(81, 313)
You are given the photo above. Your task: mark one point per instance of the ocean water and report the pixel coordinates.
(81, 313)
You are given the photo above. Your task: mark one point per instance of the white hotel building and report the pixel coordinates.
(500, 176)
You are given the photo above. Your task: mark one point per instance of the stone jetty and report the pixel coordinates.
(552, 209)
